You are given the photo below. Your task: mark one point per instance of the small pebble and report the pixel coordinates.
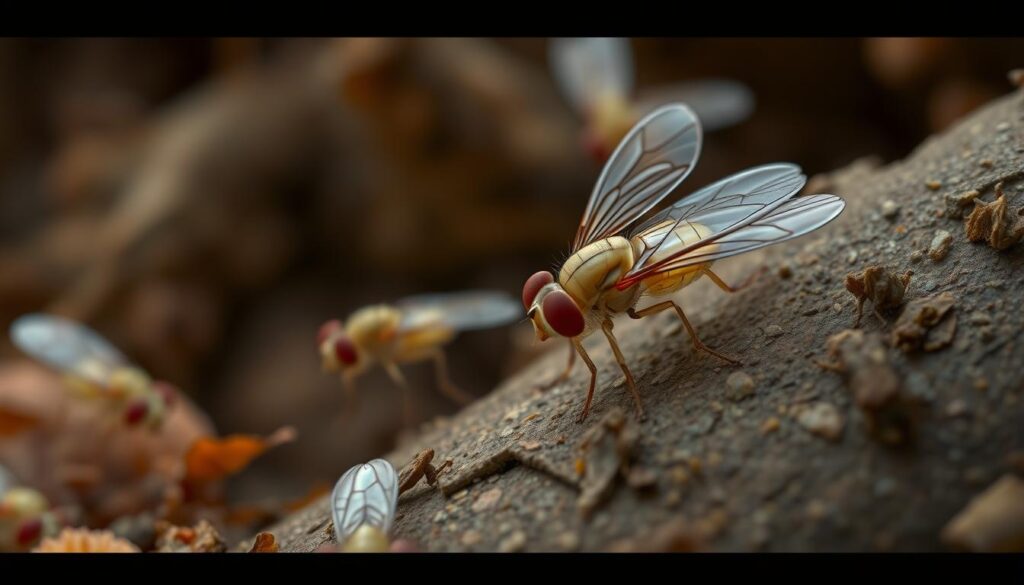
(770, 425)
(739, 385)
(822, 419)
(514, 542)
(933, 185)
(939, 247)
(890, 209)
(487, 500)
(471, 537)
(956, 408)
(993, 521)
(568, 541)
(773, 331)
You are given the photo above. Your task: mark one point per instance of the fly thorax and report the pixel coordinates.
(374, 329)
(595, 268)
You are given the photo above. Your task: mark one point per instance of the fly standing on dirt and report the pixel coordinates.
(613, 267)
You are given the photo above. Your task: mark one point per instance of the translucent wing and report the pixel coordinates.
(365, 494)
(719, 103)
(67, 346)
(588, 69)
(709, 215)
(654, 157)
(462, 311)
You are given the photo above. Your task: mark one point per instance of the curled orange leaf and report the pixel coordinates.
(213, 458)
(12, 423)
(265, 543)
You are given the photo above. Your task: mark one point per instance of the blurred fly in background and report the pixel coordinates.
(413, 330)
(596, 76)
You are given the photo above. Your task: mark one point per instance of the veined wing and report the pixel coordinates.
(709, 215)
(652, 160)
(587, 70)
(365, 494)
(719, 103)
(462, 311)
(67, 346)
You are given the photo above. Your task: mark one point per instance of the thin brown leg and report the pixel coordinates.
(565, 373)
(407, 410)
(607, 327)
(697, 343)
(731, 289)
(593, 378)
(351, 398)
(444, 382)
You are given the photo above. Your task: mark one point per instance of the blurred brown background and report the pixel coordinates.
(207, 203)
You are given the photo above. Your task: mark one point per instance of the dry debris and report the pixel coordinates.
(265, 543)
(927, 324)
(993, 521)
(419, 467)
(822, 419)
(83, 540)
(202, 538)
(877, 388)
(993, 222)
(877, 284)
(675, 535)
(956, 204)
(606, 449)
(939, 247)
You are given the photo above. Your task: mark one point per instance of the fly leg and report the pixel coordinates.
(607, 327)
(407, 413)
(565, 373)
(697, 343)
(444, 382)
(351, 398)
(731, 289)
(593, 378)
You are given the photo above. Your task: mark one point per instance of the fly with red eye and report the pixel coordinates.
(612, 267)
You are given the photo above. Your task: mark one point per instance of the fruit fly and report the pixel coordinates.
(363, 506)
(25, 516)
(412, 330)
(596, 76)
(610, 269)
(93, 368)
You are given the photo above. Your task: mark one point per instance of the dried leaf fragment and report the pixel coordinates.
(926, 323)
(877, 388)
(265, 543)
(992, 522)
(214, 458)
(83, 540)
(875, 283)
(201, 538)
(13, 423)
(993, 222)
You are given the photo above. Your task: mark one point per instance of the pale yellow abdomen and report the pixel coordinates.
(597, 266)
(683, 235)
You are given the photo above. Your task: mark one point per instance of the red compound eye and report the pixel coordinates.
(345, 351)
(325, 331)
(562, 314)
(595, 147)
(29, 531)
(135, 412)
(533, 285)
